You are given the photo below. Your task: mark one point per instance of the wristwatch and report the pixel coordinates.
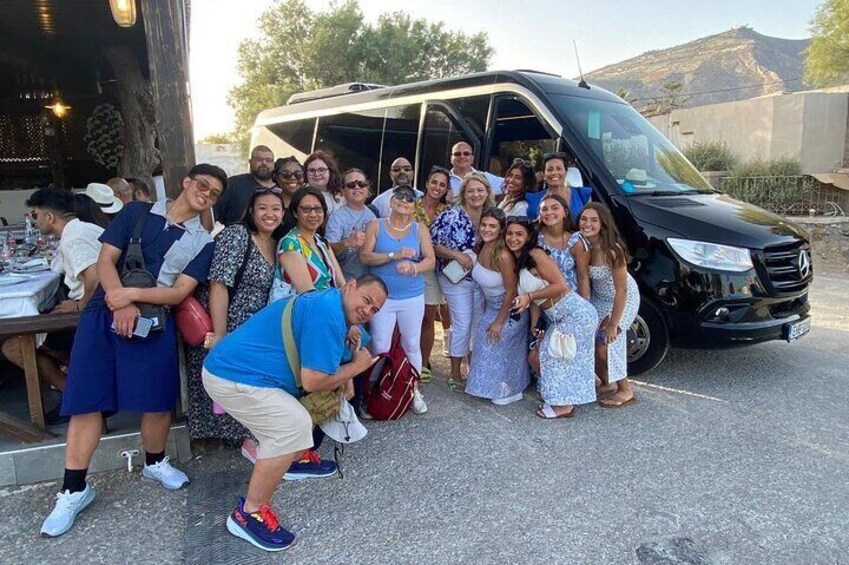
(391, 255)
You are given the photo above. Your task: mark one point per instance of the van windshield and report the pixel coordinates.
(640, 159)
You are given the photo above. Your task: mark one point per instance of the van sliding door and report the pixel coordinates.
(443, 127)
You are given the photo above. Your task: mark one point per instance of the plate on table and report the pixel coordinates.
(7, 279)
(32, 266)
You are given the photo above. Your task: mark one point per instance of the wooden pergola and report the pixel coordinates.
(74, 52)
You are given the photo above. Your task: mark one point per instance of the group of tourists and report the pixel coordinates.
(310, 278)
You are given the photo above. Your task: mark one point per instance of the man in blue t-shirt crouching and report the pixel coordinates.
(251, 376)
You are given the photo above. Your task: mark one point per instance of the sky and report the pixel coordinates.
(526, 34)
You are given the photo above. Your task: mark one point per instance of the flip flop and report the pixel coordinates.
(613, 403)
(546, 412)
(426, 375)
(457, 385)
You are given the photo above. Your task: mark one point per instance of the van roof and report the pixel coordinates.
(536, 81)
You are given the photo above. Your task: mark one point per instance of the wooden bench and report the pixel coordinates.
(26, 328)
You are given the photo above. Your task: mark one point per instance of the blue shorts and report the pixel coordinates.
(108, 373)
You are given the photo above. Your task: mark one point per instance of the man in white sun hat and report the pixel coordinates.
(105, 198)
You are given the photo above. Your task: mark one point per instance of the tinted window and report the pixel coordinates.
(518, 133)
(399, 138)
(353, 138)
(475, 111)
(288, 138)
(441, 132)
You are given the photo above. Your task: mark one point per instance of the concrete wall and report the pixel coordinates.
(809, 126)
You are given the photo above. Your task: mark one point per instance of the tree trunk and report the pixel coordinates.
(140, 156)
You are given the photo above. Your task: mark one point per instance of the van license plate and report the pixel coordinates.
(794, 331)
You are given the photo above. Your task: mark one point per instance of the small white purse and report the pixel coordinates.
(562, 346)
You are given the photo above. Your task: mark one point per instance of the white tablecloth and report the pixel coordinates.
(30, 297)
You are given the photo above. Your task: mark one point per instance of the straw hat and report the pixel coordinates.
(103, 195)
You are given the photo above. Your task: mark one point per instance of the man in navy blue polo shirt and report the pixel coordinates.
(109, 372)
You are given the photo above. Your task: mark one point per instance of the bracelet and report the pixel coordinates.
(415, 269)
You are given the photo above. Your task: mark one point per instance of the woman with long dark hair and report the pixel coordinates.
(498, 371)
(616, 297)
(518, 181)
(240, 278)
(565, 380)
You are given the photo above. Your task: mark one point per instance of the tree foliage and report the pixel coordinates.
(711, 156)
(827, 61)
(670, 99)
(300, 49)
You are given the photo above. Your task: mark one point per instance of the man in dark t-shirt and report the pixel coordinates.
(232, 205)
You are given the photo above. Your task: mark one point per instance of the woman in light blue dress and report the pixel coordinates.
(498, 371)
(563, 382)
(616, 298)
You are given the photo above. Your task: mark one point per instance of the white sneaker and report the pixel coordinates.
(68, 505)
(419, 404)
(170, 477)
(507, 400)
(446, 342)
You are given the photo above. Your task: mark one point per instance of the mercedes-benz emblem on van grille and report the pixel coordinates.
(804, 264)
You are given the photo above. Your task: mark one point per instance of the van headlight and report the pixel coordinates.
(712, 255)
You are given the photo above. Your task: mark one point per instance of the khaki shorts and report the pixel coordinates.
(275, 418)
(433, 292)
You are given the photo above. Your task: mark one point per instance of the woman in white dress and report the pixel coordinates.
(615, 295)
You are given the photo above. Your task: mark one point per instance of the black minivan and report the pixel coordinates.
(712, 271)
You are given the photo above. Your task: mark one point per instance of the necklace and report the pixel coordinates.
(402, 228)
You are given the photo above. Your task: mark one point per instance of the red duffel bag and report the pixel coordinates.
(193, 321)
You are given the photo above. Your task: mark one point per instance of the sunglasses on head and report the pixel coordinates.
(558, 155)
(289, 175)
(268, 190)
(521, 220)
(356, 184)
(523, 163)
(438, 169)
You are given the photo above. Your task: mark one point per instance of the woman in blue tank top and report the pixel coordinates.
(398, 250)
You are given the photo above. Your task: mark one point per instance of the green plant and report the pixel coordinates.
(711, 156)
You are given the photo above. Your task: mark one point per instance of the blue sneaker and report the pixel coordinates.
(310, 466)
(260, 529)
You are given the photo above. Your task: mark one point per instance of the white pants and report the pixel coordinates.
(408, 313)
(465, 302)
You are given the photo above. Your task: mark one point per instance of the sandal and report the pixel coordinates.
(546, 412)
(426, 375)
(457, 385)
(611, 402)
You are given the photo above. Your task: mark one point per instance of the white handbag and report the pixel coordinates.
(562, 346)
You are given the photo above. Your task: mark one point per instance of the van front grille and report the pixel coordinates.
(788, 267)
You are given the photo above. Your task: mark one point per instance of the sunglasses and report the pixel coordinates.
(406, 169)
(405, 195)
(308, 210)
(559, 155)
(523, 163)
(521, 220)
(438, 169)
(206, 187)
(462, 153)
(356, 184)
(289, 175)
(268, 190)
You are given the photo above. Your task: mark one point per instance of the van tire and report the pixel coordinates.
(648, 339)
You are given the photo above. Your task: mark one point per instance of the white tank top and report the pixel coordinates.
(529, 283)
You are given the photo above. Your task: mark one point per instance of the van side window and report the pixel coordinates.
(353, 138)
(440, 133)
(293, 138)
(400, 134)
(475, 111)
(517, 133)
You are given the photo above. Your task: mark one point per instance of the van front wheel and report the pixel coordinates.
(648, 339)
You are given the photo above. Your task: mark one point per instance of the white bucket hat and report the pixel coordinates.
(344, 427)
(638, 177)
(103, 195)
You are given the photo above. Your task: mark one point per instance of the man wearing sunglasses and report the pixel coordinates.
(401, 173)
(231, 207)
(462, 158)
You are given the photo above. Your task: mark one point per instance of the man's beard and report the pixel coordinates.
(262, 174)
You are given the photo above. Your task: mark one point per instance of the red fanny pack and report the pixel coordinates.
(193, 321)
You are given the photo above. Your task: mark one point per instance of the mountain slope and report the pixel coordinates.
(734, 65)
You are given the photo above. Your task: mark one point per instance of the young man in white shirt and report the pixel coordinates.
(75, 259)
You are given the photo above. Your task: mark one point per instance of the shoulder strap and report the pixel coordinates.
(134, 258)
(289, 342)
(241, 272)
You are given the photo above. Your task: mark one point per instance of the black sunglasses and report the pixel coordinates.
(438, 169)
(521, 220)
(404, 193)
(559, 155)
(462, 153)
(269, 190)
(356, 184)
(405, 168)
(289, 175)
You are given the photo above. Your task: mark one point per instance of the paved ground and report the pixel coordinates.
(729, 457)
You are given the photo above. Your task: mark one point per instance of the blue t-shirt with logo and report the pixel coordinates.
(255, 354)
